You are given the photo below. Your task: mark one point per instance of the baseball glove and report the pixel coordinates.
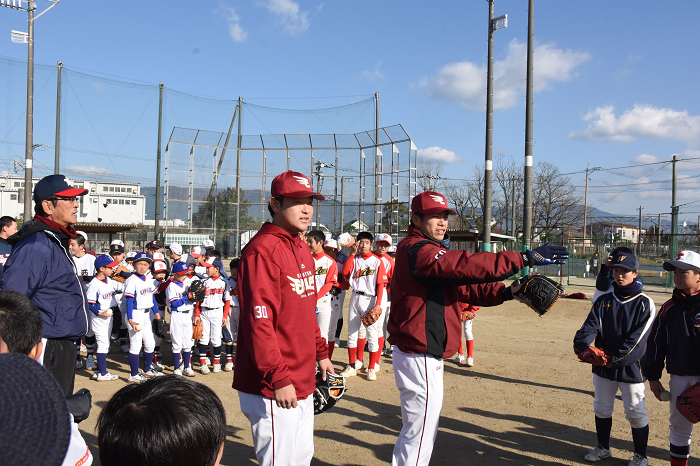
(688, 403)
(119, 270)
(197, 290)
(595, 356)
(197, 331)
(538, 292)
(158, 326)
(371, 316)
(328, 392)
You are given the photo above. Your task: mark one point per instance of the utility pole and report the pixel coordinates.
(319, 183)
(238, 178)
(527, 190)
(377, 168)
(674, 218)
(658, 235)
(638, 251)
(342, 201)
(29, 142)
(160, 130)
(585, 208)
(57, 145)
(512, 207)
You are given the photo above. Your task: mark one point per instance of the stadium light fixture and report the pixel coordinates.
(499, 23)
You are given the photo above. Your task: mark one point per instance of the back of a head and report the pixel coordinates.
(20, 322)
(166, 420)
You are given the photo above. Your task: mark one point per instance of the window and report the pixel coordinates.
(123, 190)
(111, 189)
(128, 190)
(109, 201)
(121, 201)
(13, 197)
(133, 202)
(105, 188)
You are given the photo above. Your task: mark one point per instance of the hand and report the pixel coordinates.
(326, 366)
(354, 247)
(656, 387)
(132, 322)
(104, 313)
(286, 397)
(195, 321)
(157, 316)
(608, 261)
(547, 254)
(224, 322)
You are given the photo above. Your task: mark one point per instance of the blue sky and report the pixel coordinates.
(615, 81)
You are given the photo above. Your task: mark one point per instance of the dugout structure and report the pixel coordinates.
(219, 182)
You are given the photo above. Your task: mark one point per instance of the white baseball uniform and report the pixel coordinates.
(367, 279)
(211, 310)
(85, 265)
(234, 313)
(140, 289)
(337, 304)
(181, 315)
(388, 262)
(326, 277)
(101, 293)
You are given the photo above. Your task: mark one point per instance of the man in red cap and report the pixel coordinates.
(279, 341)
(424, 324)
(40, 267)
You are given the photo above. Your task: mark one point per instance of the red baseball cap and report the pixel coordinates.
(207, 264)
(430, 202)
(294, 185)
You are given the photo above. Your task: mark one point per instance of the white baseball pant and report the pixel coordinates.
(144, 337)
(419, 380)
(386, 309)
(467, 325)
(680, 427)
(234, 316)
(633, 395)
(281, 437)
(211, 318)
(359, 305)
(324, 310)
(336, 313)
(181, 331)
(101, 328)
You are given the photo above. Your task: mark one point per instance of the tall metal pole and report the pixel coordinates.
(160, 130)
(57, 144)
(488, 163)
(638, 250)
(377, 168)
(512, 208)
(585, 208)
(238, 178)
(342, 203)
(527, 200)
(674, 216)
(29, 143)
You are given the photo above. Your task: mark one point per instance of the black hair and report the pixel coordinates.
(365, 235)
(234, 263)
(280, 199)
(420, 216)
(6, 221)
(167, 420)
(20, 322)
(621, 250)
(39, 210)
(213, 253)
(79, 239)
(317, 235)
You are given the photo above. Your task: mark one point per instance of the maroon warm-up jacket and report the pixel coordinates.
(279, 340)
(425, 292)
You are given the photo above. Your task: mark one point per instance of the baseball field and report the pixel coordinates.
(526, 401)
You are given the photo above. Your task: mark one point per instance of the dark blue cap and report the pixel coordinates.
(142, 256)
(625, 260)
(55, 185)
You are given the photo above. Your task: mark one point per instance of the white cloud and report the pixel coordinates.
(89, 170)
(644, 158)
(373, 75)
(465, 82)
(437, 153)
(234, 23)
(288, 14)
(641, 121)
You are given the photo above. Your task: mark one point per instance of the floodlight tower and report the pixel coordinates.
(28, 38)
(494, 24)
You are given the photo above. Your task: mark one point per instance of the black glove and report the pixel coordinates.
(79, 404)
(545, 255)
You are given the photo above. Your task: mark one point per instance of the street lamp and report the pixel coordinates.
(28, 38)
(585, 202)
(494, 24)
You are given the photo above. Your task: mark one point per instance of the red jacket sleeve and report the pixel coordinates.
(260, 288)
(331, 280)
(348, 267)
(485, 294)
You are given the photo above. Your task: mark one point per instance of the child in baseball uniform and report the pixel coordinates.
(367, 277)
(619, 322)
(181, 310)
(382, 246)
(138, 292)
(233, 316)
(330, 247)
(468, 313)
(674, 341)
(213, 313)
(325, 278)
(85, 265)
(159, 271)
(101, 299)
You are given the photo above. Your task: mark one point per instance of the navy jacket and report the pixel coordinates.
(40, 268)
(5, 250)
(620, 326)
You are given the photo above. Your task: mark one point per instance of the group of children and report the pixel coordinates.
(633, 344)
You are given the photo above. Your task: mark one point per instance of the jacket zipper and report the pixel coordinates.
(75, 271)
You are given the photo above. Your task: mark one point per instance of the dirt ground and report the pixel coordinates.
(527, 400)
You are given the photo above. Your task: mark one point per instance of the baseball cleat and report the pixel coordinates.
(156, 365)
(349, 371)
(358, 365)
(90, 362)
(177, 372)
(376, 367)
(152, 373)
(217, 368)
(371, 375)
(78, 364)
(460, 359)
(228, 367)
(188, 372)
(597, 454)
(470, 362)
(106, 377)
(204, 369)
(138, 378)
(638, 460)
(337, 345)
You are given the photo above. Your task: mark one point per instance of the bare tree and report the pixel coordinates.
(458, 197)
(430, 174)
(555, 204)
(506, 172)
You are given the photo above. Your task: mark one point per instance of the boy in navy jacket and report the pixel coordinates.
(619, 322)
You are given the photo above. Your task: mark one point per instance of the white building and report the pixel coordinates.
(629, 233)
(105, 202)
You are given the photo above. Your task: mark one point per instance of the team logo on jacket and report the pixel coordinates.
(301, 285)
(697, 319)
(366, 272)
(302, 180)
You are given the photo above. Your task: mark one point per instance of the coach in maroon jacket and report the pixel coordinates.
(424, 324)
(279, 341)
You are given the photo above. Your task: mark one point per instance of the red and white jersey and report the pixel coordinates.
(232, 284)
(388, 267)
(367, 273)
(141, 289)
(216, 292)
(176, 291)
(85, 265)
(102, 292)
(326, 275)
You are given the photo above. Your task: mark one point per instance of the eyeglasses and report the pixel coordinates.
(58, 198)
